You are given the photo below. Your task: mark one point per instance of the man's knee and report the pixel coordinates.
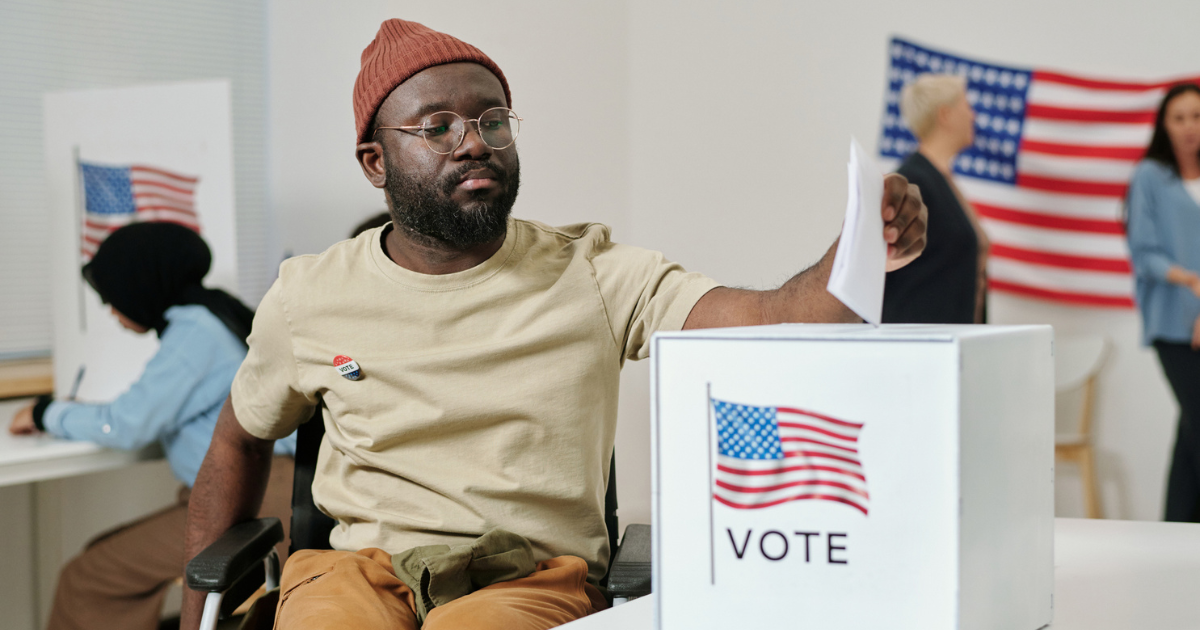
(338, 589)
(552, 595)
(508, 610)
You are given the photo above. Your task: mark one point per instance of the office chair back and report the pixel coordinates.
(310, 526)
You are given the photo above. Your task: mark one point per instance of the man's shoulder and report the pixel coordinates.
(538, 231)
(576, 241)
(342, 257)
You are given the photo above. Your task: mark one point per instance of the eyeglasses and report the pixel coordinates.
(444, 131)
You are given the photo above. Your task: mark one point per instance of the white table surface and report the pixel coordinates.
(25, 458)
(1108, 575)
(1126, 574)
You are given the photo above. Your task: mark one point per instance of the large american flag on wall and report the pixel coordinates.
(772, 455)
(115, 196)
(1048, 173)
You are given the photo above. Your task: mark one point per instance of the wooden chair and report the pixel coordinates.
(1077, 363)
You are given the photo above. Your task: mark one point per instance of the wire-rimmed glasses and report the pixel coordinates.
(444, 131)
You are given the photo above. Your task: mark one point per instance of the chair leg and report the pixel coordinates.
(1091, 493)
(212, 611)
(271, 571)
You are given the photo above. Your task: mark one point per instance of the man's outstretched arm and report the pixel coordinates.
(804, 297)
(229, 490)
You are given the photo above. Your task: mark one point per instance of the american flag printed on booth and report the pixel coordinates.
(1048, 173)
(767, 456)
(115, 196)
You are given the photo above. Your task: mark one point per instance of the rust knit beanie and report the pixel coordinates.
(400, 50)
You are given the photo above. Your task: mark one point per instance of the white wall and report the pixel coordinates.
(722, 140)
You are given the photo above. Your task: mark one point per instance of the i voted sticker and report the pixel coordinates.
(347, 367)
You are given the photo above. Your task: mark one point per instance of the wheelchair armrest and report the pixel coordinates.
(237, 551)
(629, 576)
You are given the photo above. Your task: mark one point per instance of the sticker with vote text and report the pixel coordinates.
(347, 367)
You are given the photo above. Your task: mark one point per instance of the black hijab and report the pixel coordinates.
(145, 268)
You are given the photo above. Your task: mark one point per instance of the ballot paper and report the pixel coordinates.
(860, 265)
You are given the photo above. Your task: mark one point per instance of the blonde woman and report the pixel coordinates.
(946, 285)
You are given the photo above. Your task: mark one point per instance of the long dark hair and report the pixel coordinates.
(1160, 148)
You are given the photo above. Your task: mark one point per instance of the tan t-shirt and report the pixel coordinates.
(488, 397)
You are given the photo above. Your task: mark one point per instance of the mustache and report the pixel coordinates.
(451, 181)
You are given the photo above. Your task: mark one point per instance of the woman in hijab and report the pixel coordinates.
(150, 274)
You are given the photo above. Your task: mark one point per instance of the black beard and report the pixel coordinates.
(425, 207)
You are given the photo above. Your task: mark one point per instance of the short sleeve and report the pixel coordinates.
(644, 293)
(267, 397)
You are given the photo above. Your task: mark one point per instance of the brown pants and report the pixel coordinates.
(120, 579)
(360, 591)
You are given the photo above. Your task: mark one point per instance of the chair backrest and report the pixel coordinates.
(1077, 363)
(610, 514)
(311, 526)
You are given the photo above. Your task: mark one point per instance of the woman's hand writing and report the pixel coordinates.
(22, 422)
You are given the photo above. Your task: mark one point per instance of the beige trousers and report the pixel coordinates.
(121, 577)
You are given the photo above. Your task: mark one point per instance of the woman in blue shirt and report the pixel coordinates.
(1164, 240)
(150, 274)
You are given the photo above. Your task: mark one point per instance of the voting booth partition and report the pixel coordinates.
(116, 156)
(851, 476)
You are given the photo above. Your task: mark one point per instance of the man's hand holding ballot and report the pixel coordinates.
(805, 298)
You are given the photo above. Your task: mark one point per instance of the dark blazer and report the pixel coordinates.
(939, 286)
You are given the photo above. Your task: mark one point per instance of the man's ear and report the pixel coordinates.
(370, 158)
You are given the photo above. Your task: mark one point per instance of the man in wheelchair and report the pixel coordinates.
(468, 363)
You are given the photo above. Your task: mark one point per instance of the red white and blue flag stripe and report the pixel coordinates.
(772, 455)
(1048, 173)
(115, 196)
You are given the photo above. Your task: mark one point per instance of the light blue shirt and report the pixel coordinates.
(175, 402)
(1163, 230)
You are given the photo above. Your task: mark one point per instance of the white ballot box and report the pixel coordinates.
(848, 476)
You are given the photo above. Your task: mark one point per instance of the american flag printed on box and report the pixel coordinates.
(1048, 173)
(115, 196)
(767, 456)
